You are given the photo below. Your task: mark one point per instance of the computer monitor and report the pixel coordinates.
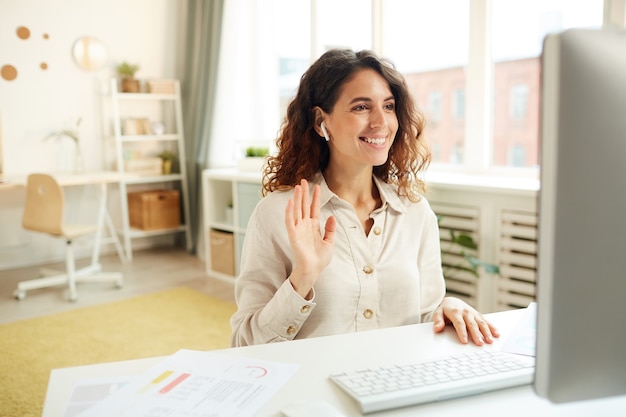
(581, 274)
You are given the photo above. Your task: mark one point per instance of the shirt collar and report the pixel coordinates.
(388, 193)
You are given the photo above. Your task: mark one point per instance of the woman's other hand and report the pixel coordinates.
(312, 251)
(467, 322)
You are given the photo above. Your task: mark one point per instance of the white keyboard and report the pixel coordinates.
(454, 376)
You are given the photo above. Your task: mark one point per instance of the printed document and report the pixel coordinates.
(522, 340)
(197, 384)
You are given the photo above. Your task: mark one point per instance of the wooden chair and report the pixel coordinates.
(44, 212)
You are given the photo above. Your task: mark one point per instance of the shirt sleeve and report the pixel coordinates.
(269, 309)
(433, 287)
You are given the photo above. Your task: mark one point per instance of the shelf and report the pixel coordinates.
(221, 189)
(226, 227)
(142, 138)
(146, 96)
(223, 277)
(135, 233)
(147, 108)
(153, 179)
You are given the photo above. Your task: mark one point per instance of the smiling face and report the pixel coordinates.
(363, 123)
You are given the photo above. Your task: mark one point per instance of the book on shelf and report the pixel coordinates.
(160, 86)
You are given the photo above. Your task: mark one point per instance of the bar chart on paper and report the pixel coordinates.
(198, 384)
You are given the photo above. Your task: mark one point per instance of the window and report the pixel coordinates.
(517, 32)
(518, 108)
(517, 157)
(458, 104)
(426, 41)
(343, 24)
(433, 108)
(291, 25)
(456, 156)
(472, 65)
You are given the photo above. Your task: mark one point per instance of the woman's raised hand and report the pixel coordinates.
(312, 251)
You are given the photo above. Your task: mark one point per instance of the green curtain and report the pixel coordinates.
(202, 47)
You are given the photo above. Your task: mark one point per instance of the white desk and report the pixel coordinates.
(321, 356)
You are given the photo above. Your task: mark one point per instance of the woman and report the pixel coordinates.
(357, 247)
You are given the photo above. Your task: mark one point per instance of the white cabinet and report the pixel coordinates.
(501, 218)
(229, 196)
(144, 125)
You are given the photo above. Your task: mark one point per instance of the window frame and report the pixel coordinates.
(477, 155)
(479, 87)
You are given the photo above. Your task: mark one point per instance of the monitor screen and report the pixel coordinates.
(581, 273)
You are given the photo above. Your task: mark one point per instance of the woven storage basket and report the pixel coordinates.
(157, 209)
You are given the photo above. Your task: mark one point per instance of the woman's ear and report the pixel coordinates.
(318, 121)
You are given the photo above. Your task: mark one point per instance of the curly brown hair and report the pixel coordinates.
(302, 153)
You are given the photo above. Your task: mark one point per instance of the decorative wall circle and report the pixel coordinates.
(8, 72)
(23, 32)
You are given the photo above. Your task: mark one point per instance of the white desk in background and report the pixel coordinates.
(322, 356)
(102, 179)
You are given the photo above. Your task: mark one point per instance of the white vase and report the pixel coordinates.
(79, 163)
(228, 213)
(252, 163)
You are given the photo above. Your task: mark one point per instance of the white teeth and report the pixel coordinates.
(375, 141)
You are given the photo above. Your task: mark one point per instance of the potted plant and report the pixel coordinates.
(127, 72)
(254, 159)
(257, 152)
(76, 163)
(229, 212)
(167, 157)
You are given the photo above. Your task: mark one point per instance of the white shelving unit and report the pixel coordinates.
(166, 110)
(222, 188)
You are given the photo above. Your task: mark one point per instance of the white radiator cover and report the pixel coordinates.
(517, 259)
(459, 219)
(503, 223)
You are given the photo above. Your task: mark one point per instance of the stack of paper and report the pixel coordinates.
(194, 384)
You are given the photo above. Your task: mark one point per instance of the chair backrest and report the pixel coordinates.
(43, 211)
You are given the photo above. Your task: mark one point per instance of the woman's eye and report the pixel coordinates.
(360, 107)
(390, 106)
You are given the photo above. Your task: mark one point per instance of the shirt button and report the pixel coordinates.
(291, 330)
(368, 314)
(377, 230)
(368, 269)
(305, 309)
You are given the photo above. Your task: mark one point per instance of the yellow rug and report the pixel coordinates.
(150, 325)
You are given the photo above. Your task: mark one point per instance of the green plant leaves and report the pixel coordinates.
(463, 240)
(473, 264)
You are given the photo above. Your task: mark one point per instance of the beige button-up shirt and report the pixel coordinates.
(391, 277)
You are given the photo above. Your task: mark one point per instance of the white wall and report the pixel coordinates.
(145, 32)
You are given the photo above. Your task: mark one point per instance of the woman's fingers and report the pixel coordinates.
(300, 208)
(315, 202)
(306, 209)
(297, 204)
(305, 206)
(468, 323)
(479, 329)
(289, 216)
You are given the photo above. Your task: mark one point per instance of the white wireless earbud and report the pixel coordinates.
(325, 132)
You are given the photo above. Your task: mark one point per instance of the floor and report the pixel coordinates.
(150, 270)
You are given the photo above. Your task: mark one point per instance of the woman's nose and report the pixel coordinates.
(378, 118)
